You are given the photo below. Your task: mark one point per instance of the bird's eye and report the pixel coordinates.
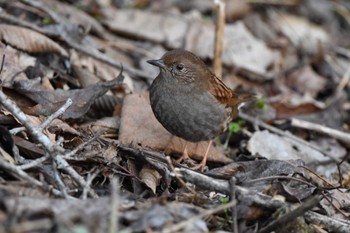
(179, 66)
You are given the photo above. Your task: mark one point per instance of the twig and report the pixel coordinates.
(52, 149)
(330, 200)
(12, 107)
(331, 224)
(344, 81)
(234, 207)
(48, 120)
(59, 181)
(35, 162)
(183, 224)
(278, 177)
(344, 137)
(222, 186)
(24, 176)
(114, 218)
(63, 165)
(219, 34)
(177, 176)
(288, 217)
(70, 154)
(90, 178)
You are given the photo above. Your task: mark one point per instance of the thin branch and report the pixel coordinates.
(12, 169)
(34, 163)
(288, 217)
(234, 207)
(51, 148)
(219, 35)
(114, 218)
(48, 120)
(183, 224)
(344, 137)
(177, 176)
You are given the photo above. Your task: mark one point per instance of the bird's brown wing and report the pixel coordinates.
(227, 96)
(222, 93)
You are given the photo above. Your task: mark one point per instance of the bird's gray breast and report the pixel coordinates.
(186, 113)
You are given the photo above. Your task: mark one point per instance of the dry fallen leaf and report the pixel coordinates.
(150, 177)
(29, 40)
(49, 101)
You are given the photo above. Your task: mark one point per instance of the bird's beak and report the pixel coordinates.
(159, 63)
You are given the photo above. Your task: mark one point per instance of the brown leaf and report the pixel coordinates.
(29, 41)
(48, 101)
(150, 177)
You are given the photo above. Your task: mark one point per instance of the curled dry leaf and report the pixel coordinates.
(150, 177)
(29, 41)
(49, 101)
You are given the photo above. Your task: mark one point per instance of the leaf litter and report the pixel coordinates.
(79, 128)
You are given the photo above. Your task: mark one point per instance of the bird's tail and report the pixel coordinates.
(245, 97)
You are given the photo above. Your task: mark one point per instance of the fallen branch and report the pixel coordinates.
(53, 150)
(337, 134)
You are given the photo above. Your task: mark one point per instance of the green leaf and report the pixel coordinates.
(224, 200)
(261, 104)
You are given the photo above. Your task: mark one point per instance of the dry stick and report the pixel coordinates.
(88, 51)
(48, 120)
(35, 162)
(276, 178)
(288, 217)
(177, 176)
(90, 178)
(331, 224)
(337, 134)
(234, 207)
(43, 140)
(282, 133)
(331, 202)
(59, 181)
(24, 176)
(113, 219)
(70, 154)
(222, 186)
(183, 224)
(219, 34)
(344, 81)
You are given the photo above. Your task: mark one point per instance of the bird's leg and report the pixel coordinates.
(203, 163)
(184, 157)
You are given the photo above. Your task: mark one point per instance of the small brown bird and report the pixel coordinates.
(190, 101)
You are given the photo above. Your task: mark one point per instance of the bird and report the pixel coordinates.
(190, 102)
